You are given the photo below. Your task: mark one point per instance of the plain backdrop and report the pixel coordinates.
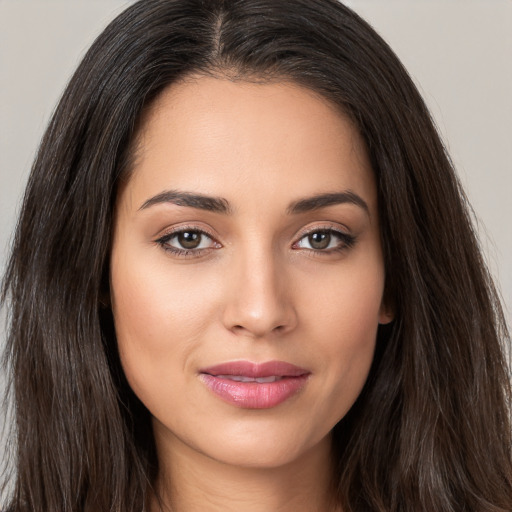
(459, 52)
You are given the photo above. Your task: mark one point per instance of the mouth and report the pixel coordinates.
(243, 378)
(254, 386)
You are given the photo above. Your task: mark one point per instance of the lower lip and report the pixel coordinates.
(254, 395)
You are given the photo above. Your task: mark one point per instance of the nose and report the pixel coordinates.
(260, 298)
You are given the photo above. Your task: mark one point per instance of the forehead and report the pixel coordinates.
(243, 140)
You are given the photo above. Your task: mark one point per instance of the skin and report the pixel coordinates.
(256, 288)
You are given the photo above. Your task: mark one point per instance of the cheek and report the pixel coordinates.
(159, 318)
(345, 337)
(348, 304)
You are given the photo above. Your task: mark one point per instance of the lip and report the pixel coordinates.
(254, 395)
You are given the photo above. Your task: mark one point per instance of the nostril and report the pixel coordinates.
(240, 329)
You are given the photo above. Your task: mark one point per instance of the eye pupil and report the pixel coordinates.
(320, 239)
(189, 239)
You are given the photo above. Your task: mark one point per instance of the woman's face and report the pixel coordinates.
(248, 233)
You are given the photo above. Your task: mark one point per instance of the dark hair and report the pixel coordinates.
(430, 431)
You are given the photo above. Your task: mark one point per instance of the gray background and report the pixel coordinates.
(459, 53)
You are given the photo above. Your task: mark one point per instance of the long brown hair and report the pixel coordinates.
(431, 430)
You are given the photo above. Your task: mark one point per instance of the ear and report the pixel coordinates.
(386, 313)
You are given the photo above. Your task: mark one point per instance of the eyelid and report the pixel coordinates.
(327, 226)
(347, 238)
(168, 234)
(185, 227)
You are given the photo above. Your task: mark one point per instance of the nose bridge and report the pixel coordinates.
(259, 302)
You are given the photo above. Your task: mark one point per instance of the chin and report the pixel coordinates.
(263, 446)
(250, 455)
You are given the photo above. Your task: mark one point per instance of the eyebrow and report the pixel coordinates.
(221, 205)
(323, 200)
(200, 201)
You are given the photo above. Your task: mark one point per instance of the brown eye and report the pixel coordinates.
(326, 241)
(319, 240)
(189, 239)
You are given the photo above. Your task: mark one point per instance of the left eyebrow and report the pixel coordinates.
(323, 200)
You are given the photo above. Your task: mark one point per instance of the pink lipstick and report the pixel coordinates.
(254, 386)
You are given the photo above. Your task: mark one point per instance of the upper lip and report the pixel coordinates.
(255, 370)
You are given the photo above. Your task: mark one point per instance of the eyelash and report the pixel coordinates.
(164, 240)
(346, 242)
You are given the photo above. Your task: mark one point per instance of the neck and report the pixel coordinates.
(189, 481)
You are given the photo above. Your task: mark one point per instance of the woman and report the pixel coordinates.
(244, 277)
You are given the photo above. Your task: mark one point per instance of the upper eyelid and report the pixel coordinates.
(327, 226)
(180, 229)
(344, 234)
(164, 242)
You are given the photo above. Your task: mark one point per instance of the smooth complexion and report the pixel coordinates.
(248, 231)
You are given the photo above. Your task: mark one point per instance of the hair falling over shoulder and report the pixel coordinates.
(431, 430)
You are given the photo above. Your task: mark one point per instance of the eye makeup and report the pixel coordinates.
(192, 241)
(188, 241)
(324, 240)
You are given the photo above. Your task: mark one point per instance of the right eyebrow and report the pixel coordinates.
(192, 200)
